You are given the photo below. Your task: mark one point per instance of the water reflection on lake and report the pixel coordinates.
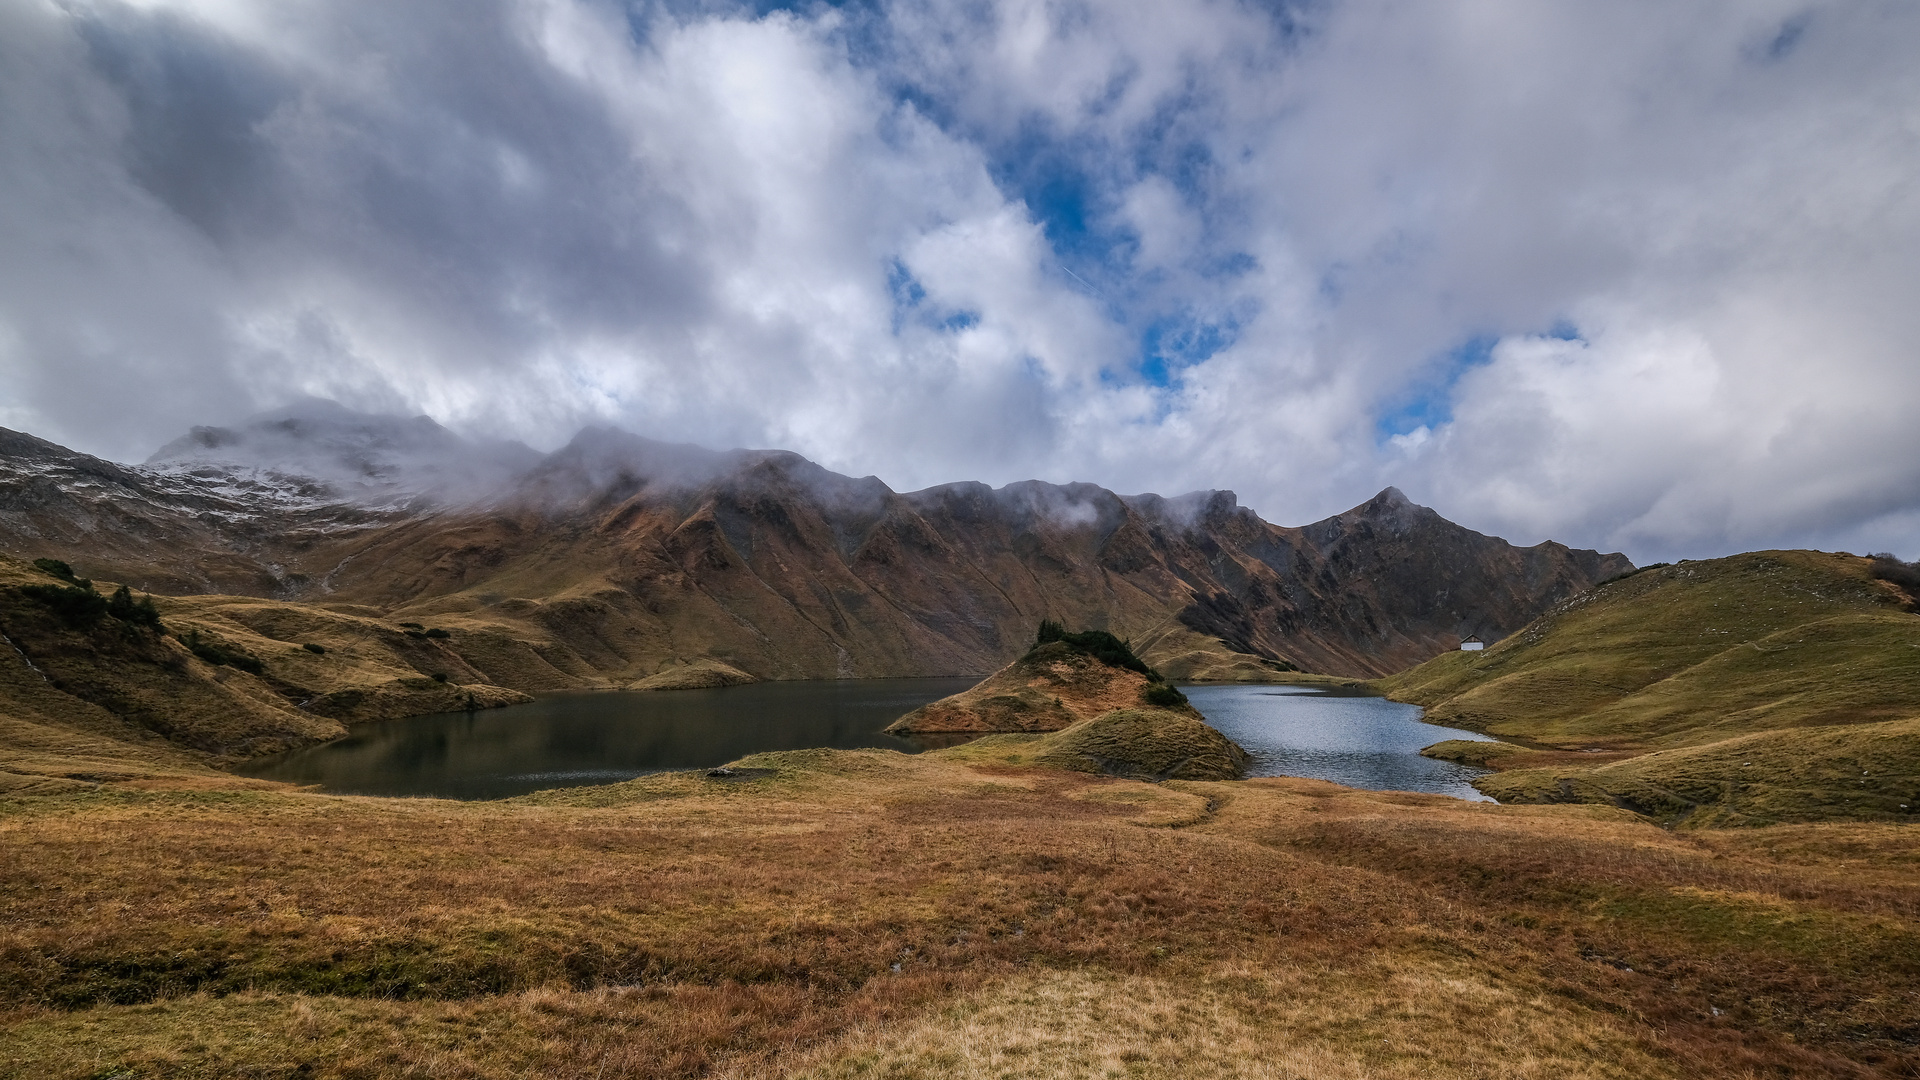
(567, 740)
(1357, 740)
(600, 737)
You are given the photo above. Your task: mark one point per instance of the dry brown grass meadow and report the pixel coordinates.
(870, 914)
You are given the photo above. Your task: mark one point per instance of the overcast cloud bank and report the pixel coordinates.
(1634, 275)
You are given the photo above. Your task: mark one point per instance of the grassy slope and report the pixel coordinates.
(1856, 771)
(872, 914)
(1183, 655)
(1144, 743)
(1802, 645)
(79, 705)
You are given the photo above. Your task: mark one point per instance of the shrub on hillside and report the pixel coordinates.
(76, 605)
(57, 568)
(1163, 695)
(220, 655)
(317, 650)
(1099, 644)
(1887, 567)
(80, 607)
(1624, 575)
(124, 607)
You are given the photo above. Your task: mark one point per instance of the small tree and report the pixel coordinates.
(1099, 644)
(1887, 567)
(1164, 695)
(55, 567)
(121, 605)
(76, 605)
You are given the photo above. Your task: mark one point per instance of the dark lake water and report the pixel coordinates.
(1359, 741)
(600, 737)
(565, 740)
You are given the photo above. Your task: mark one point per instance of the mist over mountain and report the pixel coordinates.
(622, 557)
(358, 457)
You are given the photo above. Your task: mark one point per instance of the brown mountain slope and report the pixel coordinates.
(618, 557)
(167, 532)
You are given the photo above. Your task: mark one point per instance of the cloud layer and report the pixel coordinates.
(1634, 275)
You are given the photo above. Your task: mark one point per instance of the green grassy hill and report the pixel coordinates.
(1701, 657)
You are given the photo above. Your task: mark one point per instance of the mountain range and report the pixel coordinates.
(617, 557)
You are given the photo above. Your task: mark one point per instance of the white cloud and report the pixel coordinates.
(934, 241)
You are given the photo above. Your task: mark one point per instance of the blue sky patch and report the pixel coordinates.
(910, 302)
(1428, 402)
(1171, 344)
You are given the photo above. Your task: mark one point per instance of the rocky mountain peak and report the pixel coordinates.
(761, 559)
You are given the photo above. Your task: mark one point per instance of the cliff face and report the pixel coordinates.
(618, 557)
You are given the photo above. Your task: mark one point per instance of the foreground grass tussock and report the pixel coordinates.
(872, 914)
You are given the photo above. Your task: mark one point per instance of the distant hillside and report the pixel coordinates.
(88, 695)
(1775, 685)
(618, 558)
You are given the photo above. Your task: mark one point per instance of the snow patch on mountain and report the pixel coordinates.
(319, 453)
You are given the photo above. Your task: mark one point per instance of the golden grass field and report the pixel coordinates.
(872, 914)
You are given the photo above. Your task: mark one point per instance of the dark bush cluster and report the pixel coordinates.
(77, 606)
(1164, 695)
(1888, 567)
(219, 655)
(1098, 644)
(121, 605)
(80, 607)
(1630, 573)
(317, 650)
(58, 569)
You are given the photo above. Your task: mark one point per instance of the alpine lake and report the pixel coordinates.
(600, 737)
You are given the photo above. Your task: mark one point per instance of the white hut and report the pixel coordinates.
(1472, 644)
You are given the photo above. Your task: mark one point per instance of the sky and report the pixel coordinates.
(1641, 275)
